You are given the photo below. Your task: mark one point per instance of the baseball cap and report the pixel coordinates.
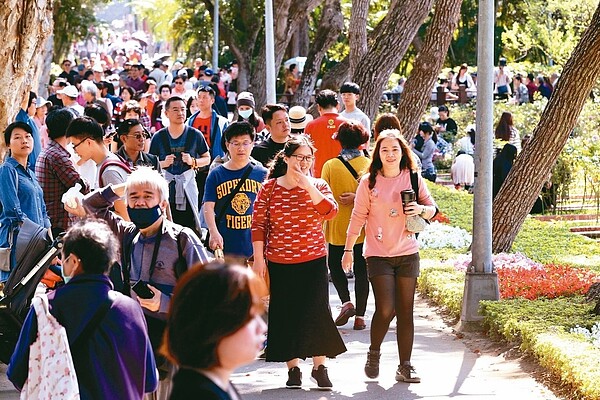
(40, 102)
(69, 91)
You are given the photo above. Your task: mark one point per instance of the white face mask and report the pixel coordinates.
(246, 113)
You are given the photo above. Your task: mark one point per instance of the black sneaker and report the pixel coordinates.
(320, 377)
(372, 365)
(294, 378)
(407, 373)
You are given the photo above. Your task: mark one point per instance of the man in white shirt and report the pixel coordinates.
(350, 93)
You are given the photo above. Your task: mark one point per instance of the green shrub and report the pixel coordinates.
(445, 286)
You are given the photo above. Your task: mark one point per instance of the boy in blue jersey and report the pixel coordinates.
(228, 211)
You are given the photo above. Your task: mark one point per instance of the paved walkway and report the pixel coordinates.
(447, 367)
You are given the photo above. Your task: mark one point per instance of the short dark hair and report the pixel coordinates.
(128, 89)
(85, 126)
(10, 128)
(164, 85)
(32, 96)
(210, 302)
(125, 127)
(207, 89)
(530, 76)
(57, 122)
(236, 129)
(98, 113)
(350, 87)
(172, 100)
(268, 111)
(87, 74)
(425, 127)
(351, 134)
(327, 99)
(94, 244)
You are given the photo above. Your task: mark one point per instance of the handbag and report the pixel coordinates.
(416, 223)
(51, 369)
(226, 203)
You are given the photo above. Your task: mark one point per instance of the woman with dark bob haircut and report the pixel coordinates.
(214, 326)
(386, 121)
(391, 251)
(343, 174)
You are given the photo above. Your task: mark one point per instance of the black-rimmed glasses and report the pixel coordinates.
(75, 146)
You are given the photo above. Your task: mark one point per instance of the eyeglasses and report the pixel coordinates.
(241, 144)
(301, 158)
(179, 83)
(75, 146)
(137, 136)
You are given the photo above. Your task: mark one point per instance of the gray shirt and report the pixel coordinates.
(358, 115)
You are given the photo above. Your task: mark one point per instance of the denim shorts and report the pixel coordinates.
(402, 266)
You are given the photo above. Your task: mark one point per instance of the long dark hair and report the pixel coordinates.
(386, 121)
(278, 166)
(406, 162)
(504, 126)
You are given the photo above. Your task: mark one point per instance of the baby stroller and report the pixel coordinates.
(34, 253)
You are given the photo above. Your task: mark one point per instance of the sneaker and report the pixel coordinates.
(348, 311)
(294, 378)
(372, 365)
(407, 373)
(320, 377)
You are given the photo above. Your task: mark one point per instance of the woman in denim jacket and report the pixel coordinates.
(20, 193)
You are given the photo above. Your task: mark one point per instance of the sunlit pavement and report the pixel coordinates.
(448, 369)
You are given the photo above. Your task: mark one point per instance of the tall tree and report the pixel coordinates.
(288, 17)
(386, 49)
(525, 180)
(72, 20)
(330, 26)
(25, 26)
(427, 65)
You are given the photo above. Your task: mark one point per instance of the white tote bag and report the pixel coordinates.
(51, 370)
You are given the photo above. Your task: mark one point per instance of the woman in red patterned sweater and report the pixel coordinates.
(287, 234)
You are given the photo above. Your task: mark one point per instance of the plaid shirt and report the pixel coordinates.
(56, 174)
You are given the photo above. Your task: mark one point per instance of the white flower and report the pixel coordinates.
(437, 236)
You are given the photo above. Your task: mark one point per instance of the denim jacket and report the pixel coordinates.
(20, 197)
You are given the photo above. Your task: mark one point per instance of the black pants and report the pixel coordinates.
(340, 281)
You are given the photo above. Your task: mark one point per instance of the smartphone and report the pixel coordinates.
(142, 290)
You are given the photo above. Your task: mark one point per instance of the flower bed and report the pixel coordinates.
(438, 235)
(558, 326)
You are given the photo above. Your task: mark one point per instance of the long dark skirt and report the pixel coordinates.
(300, 322)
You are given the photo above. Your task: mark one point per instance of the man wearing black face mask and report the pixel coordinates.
(155, 272)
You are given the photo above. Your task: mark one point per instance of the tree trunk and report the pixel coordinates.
(46, 65)
(303, 37)
(337, 75)
(525, 180)
(25, 25)
(398, 29)
(288, 17)
(427, 65)
(330, 27)
(357, 36)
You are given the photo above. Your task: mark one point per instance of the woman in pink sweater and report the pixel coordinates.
(391, 251)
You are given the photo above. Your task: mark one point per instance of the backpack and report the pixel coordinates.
(119, 163)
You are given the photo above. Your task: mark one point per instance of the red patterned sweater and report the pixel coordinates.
(294, 224)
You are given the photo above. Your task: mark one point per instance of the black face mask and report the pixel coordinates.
(144, 217)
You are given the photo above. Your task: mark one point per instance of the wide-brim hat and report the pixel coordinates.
(299, 117)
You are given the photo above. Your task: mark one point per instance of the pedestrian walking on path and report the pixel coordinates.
(287, 232)
(391, 250)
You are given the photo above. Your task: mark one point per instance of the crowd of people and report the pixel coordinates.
(174, 171)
